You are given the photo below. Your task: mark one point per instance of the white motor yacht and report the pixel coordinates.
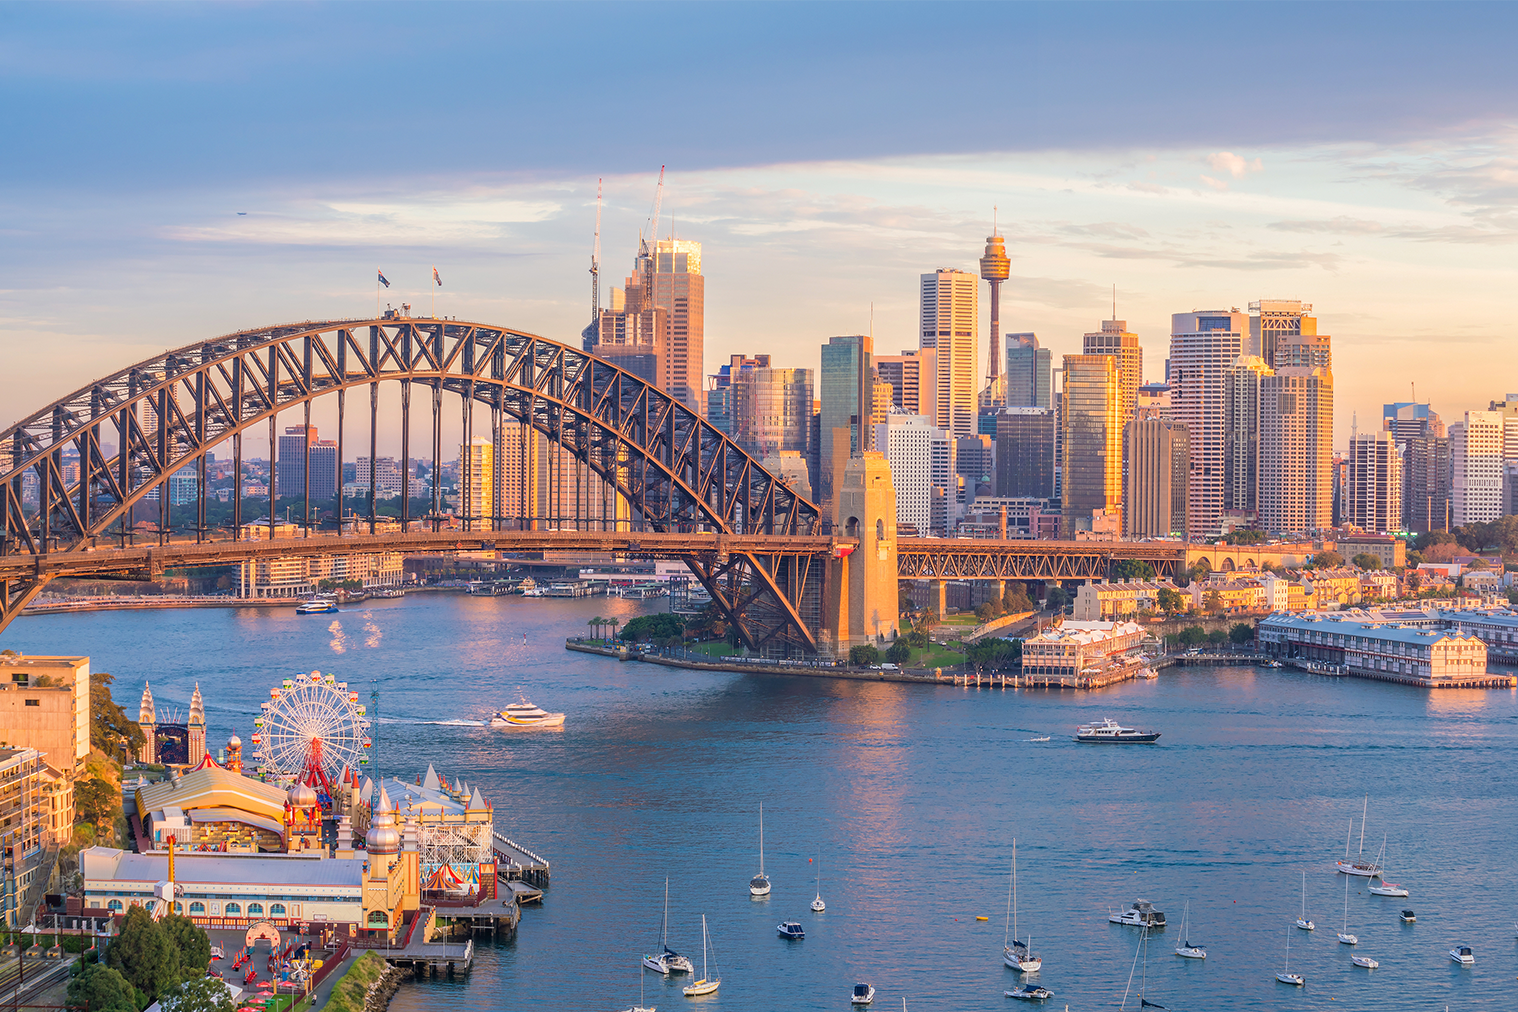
(1364, 961)
(1141, 915)
(1462, 954)
(1110, 732)
(524, 714)
(862, 994)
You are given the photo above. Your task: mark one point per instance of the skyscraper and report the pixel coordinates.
(772, 408)
(921, 460)
(1476, 470)
(655, 327)
(1373, 493)
(1418, 430)
(1154, 485)
(1115, 340)
(1092, 472)
(844, 380)
(1241, 436)
(1029, 369)
(994, 268)
(1296, 477)
(948, 326)
(1203, 344)
(1025, 453)
(912, 378)
(519, 463)
(477, 483)
(299, 451)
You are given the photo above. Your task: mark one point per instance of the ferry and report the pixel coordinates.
(524, 714)
(1111, 732)
(318, 605)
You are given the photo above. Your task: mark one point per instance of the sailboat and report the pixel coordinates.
(1186, 948)
(759, 885)
(1014, 951)
(817, 905)
(1344, 936)
(1144, 1002)
(1385, 888)
(640, 1007)
(708, 982)
(1358, 865)
(667, 960)
(1303, 922)
(1286, 976)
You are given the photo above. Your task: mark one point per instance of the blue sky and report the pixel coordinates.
(1360, 157)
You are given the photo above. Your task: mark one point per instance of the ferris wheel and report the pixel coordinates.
(311, 725)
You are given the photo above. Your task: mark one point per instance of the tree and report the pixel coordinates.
(144, 955)
(1217, 637)
(1327, 560)
(658, 627)
(1191, 636)
(995, 653)
(102, 989)
(916, 639)
(1016, 600)
(1240, 633)
(1245, 537)
(1366, 561)
(1212, 601)
(1057, 597)
(899, 652)
(864, 656)
(191, 941)
(1444, 551)
(596, 624)
(986, 612)
(200, 994)
(1125, 570)
(108, 724)
(1170, 600)
(96, 801)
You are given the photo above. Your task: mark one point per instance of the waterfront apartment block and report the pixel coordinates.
(1105, 602)
(45, 705)
(1075, 646)
(294, 577)
(1390, 651)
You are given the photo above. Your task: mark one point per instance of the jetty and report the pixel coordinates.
(515, 862)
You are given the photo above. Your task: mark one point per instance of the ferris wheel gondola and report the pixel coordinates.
(312, 729)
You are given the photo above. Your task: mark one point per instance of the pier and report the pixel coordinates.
(517, 863)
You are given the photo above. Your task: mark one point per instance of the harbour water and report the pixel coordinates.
(910, 797)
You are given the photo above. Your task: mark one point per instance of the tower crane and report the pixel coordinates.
(595, 264)
(653, 226)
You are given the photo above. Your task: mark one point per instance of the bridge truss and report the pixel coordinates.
(949, 559)
(128, 433)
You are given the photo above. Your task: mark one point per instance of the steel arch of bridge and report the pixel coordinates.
(677, 472)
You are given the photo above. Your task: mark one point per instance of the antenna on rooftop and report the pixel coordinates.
(1114, 301)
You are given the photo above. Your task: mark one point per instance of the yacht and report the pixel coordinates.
(1030, 992)
(1186, 949)
(1286, 976)
(1110, 732)
(1141, 915)
(1364, 961)
(759, 885)
(710, 980)
(817, 905)
(862, 994)
(1408, 917)
(1015, 952)
(1357, 865)
(318, 605)
(1303, 922)
(1462, 954)
(790, 929)
(524, 714)
(1387, 889)
(1345, 938)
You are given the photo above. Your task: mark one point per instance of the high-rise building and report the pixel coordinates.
(1092, 465)
(1508, 409)
(518, 487)
(845, 379)
(994, 268)
(921, 459)
(1281, 333)
(1424, 443)
(1373, 492)
(1476, 471)
(975, 462)
(1407, 419)
(1203, 344)
(719, 391)
(386, 474)
(912, 377)
(948, 326)
(1025, 453)
(1241, 436)
(477, 484)
(656, 326)
(1296, 472)
(290, 466)
(1153, 401)
(1154, 487)
(772, 409)
(1029, 372)
(1115, 340)
(325, 470)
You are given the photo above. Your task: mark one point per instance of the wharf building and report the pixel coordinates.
(1373, 499)
(948, 318)
(1076, 646)
(1363, 645)
(1091, 473)
(1203, 345)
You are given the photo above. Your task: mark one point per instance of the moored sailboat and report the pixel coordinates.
(1286, 976)
(1015, 952)
(709, 982)
(817, 905)
(1345, 938)
(759, 885)
(1186, 949)
(1303, 922)
(1358, 865)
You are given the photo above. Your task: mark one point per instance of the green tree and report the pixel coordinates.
(1240, 633)
(916, 639)
(1125, 570)
(1191, 636)
(1366, 561)
(1016, 600)
(199, 994)
(995, 653)
(864, 656)
(108, 724)
(986, 612)
(899, 652)
(1170, 601)
(102, 989)
(1217, 637)
(144, 954)
(1057, 597)
(96, 802)
(1245, 537)
(191, 941)
(1199, 571)
(1327, 560)
(658, 627)
(1212, 601)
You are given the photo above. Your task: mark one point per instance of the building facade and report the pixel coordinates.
(1202, 347)
(45, 705)
(1092, 465)
(1030, 372)
(1476, 471)
(1296, 451)
(772, 409)
(1025, 442)
(1367, 647)
(913, 379)
(1374, 495)
(1154, 482)
(921, 461)
(1070, 649)
(948, 318)
(1115, 340)
(844, 380)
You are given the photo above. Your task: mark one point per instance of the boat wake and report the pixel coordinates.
(434, 723)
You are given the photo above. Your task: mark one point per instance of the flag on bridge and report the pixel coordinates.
(436, 278)
(384, 280)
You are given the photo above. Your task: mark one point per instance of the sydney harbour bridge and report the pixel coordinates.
(764, 553)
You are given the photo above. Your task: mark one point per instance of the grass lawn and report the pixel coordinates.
(935, 655)
(348, 995)
(967, 620)
(714, 649)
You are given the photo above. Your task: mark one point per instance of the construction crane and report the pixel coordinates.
(653, 221)
(595, 264)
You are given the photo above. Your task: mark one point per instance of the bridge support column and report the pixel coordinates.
(942, 589)
(862, 589)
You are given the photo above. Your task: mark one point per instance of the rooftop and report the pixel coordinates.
(108, 864)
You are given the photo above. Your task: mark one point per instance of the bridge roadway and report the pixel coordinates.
(917, 558)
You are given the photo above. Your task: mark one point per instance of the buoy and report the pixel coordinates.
(982, 918)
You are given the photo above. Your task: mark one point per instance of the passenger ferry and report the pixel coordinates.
(1111, 732)
(524, 714)
(318, 605)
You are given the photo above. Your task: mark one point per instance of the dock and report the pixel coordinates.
(516, 863)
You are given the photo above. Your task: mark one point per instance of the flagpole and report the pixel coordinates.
(376, 293)
(432, 286)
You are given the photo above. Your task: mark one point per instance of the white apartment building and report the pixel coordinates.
(1203, 344)
(921, 457)
(1374, 496)
(1476, 472)
(949, 313)
(477, 483)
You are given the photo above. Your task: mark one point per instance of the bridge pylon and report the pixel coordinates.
(862, 588)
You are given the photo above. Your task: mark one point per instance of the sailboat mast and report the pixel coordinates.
(1014, 887)
(1363, 813)
(664, 927)
(1007, 925)
(703, 946)
(761, 838)
(1346, 904)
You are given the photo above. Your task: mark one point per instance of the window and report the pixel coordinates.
(197, 907)
(277, 909)
(34, 702)
(113, 905)
(378, 919)
(255, 908)
(233, 908)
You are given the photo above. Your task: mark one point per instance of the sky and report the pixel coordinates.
(1361, 157)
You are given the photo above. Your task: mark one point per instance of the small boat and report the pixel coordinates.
(667, 960)
(790, 929)
(1286, 976)
(1358, 865)
(708, 982)
(1303, 922)
(1408, 917)
(1462, 954)
(1044, 738)
(1345, 938)
(1030, 992)
(524, 714)
(1147, 672)
(1141, 915)
(1385, 888)
(1364, 961)
(862, 994)
(759, 885)
(1271, 664)
(1015, 952)
(1186, 949)
(1110, 732)
(317, 605)
(640, 1007)
(817, 905)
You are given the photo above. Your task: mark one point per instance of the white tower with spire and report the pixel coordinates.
(147, 720)
(195, 746)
